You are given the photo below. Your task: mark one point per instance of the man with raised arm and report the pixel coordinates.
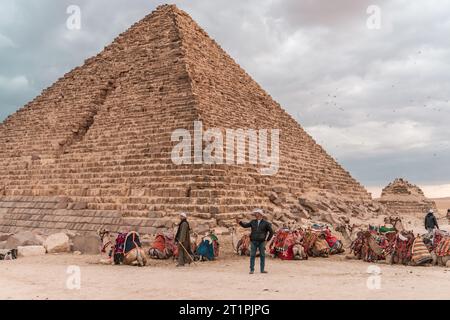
(261, 232)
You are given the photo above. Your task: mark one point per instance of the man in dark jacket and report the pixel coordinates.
(261, 232)
(430, 221)
(183, 240)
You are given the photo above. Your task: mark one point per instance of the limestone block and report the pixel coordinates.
(86, 244)
(57, 243)
(30, 251)
(24, 238)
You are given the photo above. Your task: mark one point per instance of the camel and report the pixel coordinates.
(440, 261)
(194, 241)
(441, 240)
(299, 252)
(349, 232)
(396, 222)
(364, 247)
(135, 256)
(241, 246)
(401, 250)
(107, 245)
(320, 247)
(298, 249)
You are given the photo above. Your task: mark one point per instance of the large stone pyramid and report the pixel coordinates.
(95, 148)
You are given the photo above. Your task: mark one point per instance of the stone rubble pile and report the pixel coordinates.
(35, 243)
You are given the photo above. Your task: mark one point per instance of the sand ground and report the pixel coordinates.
(442, 204)
(45, 277)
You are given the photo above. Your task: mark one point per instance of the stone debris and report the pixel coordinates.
(57, 243)
(24, 238)
(86, 244)
(4, 236)
(31, 251)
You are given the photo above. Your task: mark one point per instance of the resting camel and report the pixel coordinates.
(107, 245)
(349, 232)
(241, 246)
(194, 241)
(135, 256)
(443, 261)
(298, 249)
(441, 248)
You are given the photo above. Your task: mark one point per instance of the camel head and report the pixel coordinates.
(396, 222)
(341, 228)
(291, 225)
(103, 233)
(194, 237)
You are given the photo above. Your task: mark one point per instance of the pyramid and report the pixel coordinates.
(405, 198)
(94, 149)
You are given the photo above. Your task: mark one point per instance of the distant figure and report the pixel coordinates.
(431, 221)
(261, 232)
(183, 240)
(448, 215)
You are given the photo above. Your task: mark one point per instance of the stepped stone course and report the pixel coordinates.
(405, 198)
(95, 148)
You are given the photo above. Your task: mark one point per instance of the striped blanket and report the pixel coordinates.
(443, 248)
(419, 252)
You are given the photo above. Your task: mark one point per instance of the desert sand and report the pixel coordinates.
(443, 204)
(45, 277)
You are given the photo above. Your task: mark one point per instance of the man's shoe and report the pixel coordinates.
(252, 272)
(264, 271)
(179, 265)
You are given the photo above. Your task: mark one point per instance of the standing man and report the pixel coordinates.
(183, 240)
(430, 221)
(261, 232)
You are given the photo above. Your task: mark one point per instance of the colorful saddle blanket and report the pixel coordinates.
(125, 242)
(209, 247)
(282, 245)
(443, 247)
(419, 252)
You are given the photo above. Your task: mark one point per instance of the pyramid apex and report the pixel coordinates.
(167, 6)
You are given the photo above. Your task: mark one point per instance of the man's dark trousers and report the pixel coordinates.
(261, 246)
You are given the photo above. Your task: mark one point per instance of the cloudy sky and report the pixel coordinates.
(376, 99)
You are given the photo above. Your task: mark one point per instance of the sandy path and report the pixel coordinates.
(443, 205)
(336, 278)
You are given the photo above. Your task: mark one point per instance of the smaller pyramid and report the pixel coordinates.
(405, 198)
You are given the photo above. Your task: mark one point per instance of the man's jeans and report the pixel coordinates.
(261, 246)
